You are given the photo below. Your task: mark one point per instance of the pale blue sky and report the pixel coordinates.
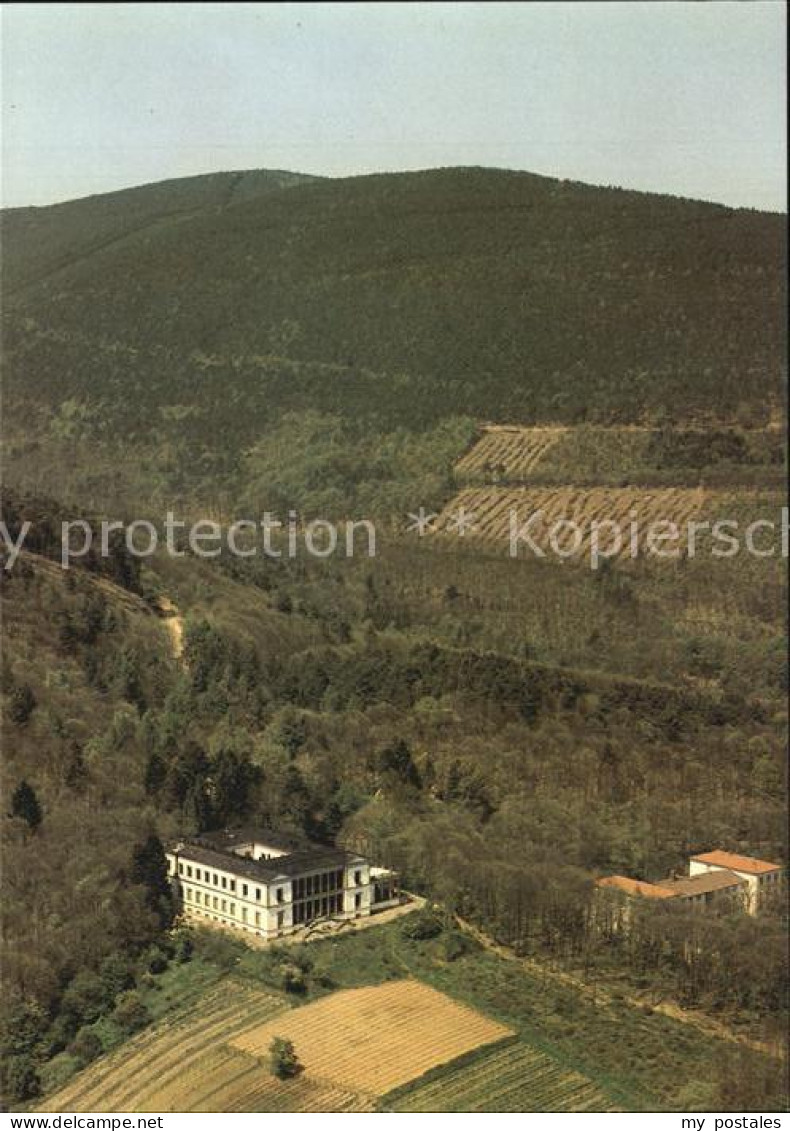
(684, 98)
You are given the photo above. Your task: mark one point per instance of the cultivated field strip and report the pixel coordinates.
(147, 1088)
(137, 1076)
(510, 452)
(376, 1038)
(301, 1094)
(512, 1078)
(490, 510)
(221, 1075)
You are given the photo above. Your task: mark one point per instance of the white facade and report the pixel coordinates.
(758, 877)
(243, 885)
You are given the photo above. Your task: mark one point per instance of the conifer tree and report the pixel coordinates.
(25, 804)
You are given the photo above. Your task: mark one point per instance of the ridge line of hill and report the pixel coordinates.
(303, 178)
(143, 186)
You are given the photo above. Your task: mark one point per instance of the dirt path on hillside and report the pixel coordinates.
(174, 623)
(700, 1021)
(163, 607)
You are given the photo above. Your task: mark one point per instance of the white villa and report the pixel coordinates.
(271, 886)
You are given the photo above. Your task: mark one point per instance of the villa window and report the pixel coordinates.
(279, 895)
(357, 878)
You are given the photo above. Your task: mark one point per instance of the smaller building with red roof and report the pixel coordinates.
(758, 876)
(713, 878)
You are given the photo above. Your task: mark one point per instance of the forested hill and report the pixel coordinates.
(501, 731)
(400, 299)
(40, 241)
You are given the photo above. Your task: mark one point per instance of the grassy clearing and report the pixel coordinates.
(638, 1060)
(571, 1051)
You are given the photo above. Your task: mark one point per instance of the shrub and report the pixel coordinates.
(22, 704)
(115, 975)
(131, 1013)
(86, 998)
(294, 981)
(299, 957)
(20, 1079)
(157, 961)
(455, 945)
(218, 949)
(86, 1046)
(55, 1073)
(424, 924)
(183, 946)
(283, 1059)
(25, 804)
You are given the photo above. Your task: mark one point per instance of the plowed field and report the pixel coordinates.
(509, 452)
(492, 509)
(374, 1039)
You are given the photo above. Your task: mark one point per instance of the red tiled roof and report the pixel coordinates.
(737, 863)
(635, 887)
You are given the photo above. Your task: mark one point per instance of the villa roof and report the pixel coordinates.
(635, 887)
(686, 886)
(230, 840)
(736, 863)
(302, 861)
(261, 870)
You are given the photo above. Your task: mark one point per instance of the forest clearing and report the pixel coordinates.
(495, 513)
(618, 454)
(509, 451)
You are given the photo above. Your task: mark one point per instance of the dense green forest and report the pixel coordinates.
(171, 329)
(501, 731)
(334, 702)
